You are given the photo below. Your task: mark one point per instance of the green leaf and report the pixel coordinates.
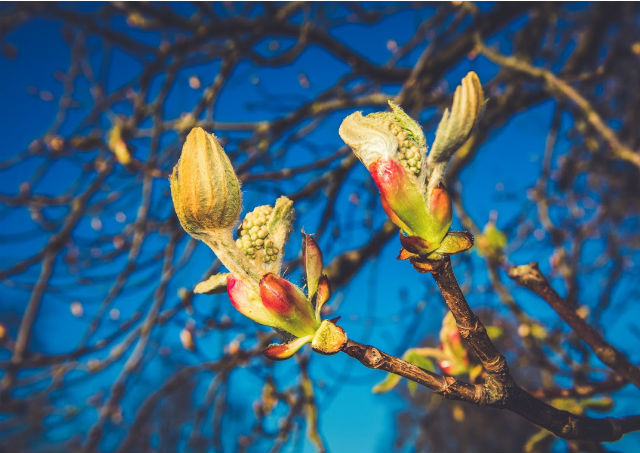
(494, 332)
(492, 241)
(475, 372)
(455, 242)
(216, 284)
(603, 404)
(392, 380)
(387, 384)
(540, 441)
(456, 124)
(421, 361)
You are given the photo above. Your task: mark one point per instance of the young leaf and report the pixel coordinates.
(216, 284)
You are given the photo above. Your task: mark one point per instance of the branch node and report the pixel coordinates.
(372, 357)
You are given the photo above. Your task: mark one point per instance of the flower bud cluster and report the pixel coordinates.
(409, 153)
(253, 235)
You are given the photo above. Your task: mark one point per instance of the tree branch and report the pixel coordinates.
(515, 399)
(499, 389)
(473, 332)
(557, 85)
(530, 277)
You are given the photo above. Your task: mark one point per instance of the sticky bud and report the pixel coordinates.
(205, 190)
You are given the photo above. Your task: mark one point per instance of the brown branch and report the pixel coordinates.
(499, 389)
(473, 331)
(566, 91)
(447, 386)
(54, 245)
(561, 423)
(530, 277)
(584, 390)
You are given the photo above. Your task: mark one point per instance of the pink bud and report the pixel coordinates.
(400, 195)
(440, 205)
(276, 294)
(247, 301)
(288, 304)
(312, 261)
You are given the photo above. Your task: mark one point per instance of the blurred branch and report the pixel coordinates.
(530, 277)
(566, 91)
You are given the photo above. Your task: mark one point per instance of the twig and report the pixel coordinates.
(561, 423)
(555, 84)
(530, 277)
(473, 332)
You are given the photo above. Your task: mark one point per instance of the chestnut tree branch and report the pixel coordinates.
(499, 389)
(530, 277)
(513, 398)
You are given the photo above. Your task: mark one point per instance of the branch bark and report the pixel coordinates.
(499, 389)
(530, 277)
(514, 399)
(566, 91)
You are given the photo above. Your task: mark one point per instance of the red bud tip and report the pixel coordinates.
(275, 293)
(440, 204)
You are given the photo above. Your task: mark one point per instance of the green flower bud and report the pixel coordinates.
(205, 190)
(393, 148)
(254, 234)
(264, 233)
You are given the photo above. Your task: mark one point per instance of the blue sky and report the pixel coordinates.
(371, 305)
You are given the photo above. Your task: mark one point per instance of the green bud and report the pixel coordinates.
(329, 338)
(205, 190)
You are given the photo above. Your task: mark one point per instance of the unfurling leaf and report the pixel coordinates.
(455, 242)
(216, 284)
(322, 295)
(387, 384)
(456, 124)
(491, 242)
(419, 360)
(288, 305)
(312, 262)
(412, 356)
(286, 350)
(494, 332)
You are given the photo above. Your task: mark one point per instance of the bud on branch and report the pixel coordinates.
(205, 190)
(393, 148)
(207, 199)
